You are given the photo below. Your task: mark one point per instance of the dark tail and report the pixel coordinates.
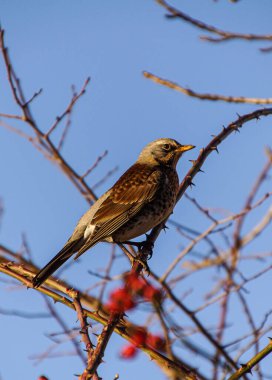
(61, 257)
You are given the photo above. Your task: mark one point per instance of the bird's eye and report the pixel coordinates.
(166, 147)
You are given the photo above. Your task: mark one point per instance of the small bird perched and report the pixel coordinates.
(143, 197)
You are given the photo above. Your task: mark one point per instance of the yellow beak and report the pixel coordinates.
(184, 148)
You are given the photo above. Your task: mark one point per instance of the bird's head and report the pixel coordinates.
(163, 151)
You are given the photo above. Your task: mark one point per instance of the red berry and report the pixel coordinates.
(151, 293)
(134, 283)
(128, 352)
(120, 301)
(156, 341)
(139, 337)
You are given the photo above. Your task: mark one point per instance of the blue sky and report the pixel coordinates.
(56, 44)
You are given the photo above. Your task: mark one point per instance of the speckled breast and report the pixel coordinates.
(153, 212)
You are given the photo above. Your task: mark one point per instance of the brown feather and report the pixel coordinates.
(124, 201)
(138, 185)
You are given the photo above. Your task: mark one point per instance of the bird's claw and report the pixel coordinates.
(147, 248)
(165, 227)
(143, 263)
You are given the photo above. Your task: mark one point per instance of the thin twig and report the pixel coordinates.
(223, 35)
(65, 329)
(205, 96)
(97, 161)
(239, 223)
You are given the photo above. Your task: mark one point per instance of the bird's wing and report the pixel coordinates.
(131, 192)
(136, 187)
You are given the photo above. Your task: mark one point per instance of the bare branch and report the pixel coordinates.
(223, 35)
(213, 97)
(69, 108)
(262, 176)
(42, 141)
(65, 329)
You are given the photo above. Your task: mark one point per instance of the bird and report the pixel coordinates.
(141, 199)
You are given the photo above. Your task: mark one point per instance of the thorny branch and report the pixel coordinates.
(203, 155)
(82, 317)
(246, 368)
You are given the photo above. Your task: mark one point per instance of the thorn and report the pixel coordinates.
(269, 337)
(189, 178)
(213, 135)
(215, 148)
(235, 127)
(201, 171)
(122, 329)
(170, 16)
(193, 161)
(223, 127)
(165, 227)
(244, 366)
(239, 116)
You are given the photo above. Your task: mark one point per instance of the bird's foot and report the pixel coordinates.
(136, 261)
(165, 227)
(145, 247)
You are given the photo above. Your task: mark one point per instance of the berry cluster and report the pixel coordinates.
(141, 338)
(126, 298)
